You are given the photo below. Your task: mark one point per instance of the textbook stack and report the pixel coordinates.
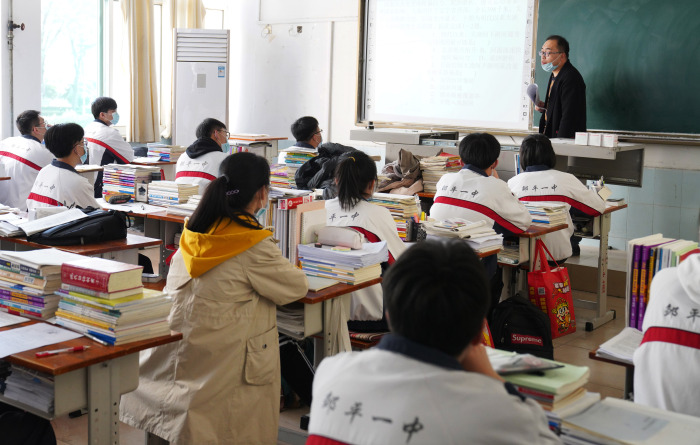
(434, 167)
(343, 264)
(402, 207)
(282, 217)
(547, 213)
(167, 193)
(480, 237)
(186, 209)
(279, 176)
(122, 179)
(106, 299)
(646, 256)
(28, 281)
(554, 390)
(295, 157)
(165, 152)
(30, 387)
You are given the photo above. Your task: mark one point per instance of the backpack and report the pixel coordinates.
(518, 325)
(99, 225)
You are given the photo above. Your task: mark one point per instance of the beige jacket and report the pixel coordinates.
(221, 383)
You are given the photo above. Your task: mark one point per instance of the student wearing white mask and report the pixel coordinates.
(564, 108)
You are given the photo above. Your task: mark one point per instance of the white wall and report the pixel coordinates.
(27, 62)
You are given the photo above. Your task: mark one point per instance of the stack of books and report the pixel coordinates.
(434, 167)
(402, 208)
(123, 179)
(646, 256)
(31, 387)
(480, 237)
(279, 176)
(547, 213)
(167, 193)
(282, 217)
(343, 264)
(554, 390)
(186, 209)
(295, 157)
(28, 281)
(165, 152)
(106, 299)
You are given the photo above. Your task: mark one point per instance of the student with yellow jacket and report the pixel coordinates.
(221, 383)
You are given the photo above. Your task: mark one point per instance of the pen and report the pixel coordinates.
(58, 351)
(93, 338)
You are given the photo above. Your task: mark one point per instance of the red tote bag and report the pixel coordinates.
(550, 290)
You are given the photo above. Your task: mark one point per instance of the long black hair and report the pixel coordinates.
(355, 171)
(241, 175)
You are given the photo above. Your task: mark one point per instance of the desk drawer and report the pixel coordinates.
(299, 320)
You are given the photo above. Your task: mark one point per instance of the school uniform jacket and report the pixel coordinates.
(200, 163)
(402, 392)
(666, 371)
(472, 195)
(58, 184)
(23, 158)
(106, 146)
(376, 223)
(540, 183)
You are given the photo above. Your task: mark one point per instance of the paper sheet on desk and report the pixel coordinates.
(9, 319)
(135, 207)
(38, 225)
(34, 336)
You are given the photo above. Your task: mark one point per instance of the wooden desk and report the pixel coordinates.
(105, 249)
(89, 171)
(269, 151)
(94, 379)
(600, 305)
(629, 372)
(5, 178)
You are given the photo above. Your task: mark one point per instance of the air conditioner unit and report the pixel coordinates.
(200, 84)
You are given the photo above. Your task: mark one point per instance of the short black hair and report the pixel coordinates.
(303, 129)
(562, 43)
(61, 138)
(536, 149)
(27, 120)
(208, 126)
(479, 149)
(437, 294)
(102, 105)
(354, 172)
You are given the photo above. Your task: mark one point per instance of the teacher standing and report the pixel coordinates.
(564, 108)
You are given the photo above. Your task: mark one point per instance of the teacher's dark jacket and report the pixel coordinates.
(565, 104)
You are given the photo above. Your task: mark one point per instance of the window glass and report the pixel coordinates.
(70, 59)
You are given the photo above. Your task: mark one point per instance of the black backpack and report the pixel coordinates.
(518, 325)
(99, 225)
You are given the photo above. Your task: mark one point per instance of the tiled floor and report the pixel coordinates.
(605, 378)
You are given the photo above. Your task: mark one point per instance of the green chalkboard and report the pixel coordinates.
(640, 60)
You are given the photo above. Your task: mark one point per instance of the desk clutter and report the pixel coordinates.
(480, 237)
(547, 213)
(343, 264)
(165, 152)
(292, 158)
(128, 179)
(434, 167)
(646, 256)
(401, 207)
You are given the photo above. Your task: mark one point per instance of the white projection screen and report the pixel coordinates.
(462, 64)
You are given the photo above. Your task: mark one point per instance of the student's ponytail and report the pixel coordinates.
(354, 172)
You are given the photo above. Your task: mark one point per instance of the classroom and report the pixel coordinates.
(387, 78)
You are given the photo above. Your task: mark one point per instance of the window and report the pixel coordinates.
(71, 59)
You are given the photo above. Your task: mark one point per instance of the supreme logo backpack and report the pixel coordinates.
(518, 325)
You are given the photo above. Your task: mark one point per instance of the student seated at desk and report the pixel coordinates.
(540, 182)
(356, 178)
(58, 184)
(105, 144)
(475, 194)
(666, 363)
(23, 157)
(201, 161)
(221, 383)
(429, 381)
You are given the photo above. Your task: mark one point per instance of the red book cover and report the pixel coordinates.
(101, 275)
(292, 203)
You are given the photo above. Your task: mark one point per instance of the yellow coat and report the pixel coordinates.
(221, 383)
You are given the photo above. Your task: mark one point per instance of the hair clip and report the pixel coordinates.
(350, 157)
(232, 192)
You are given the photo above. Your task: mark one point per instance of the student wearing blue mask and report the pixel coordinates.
(58, 184)
(201, 161)
(564, 108)
(105, 144)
